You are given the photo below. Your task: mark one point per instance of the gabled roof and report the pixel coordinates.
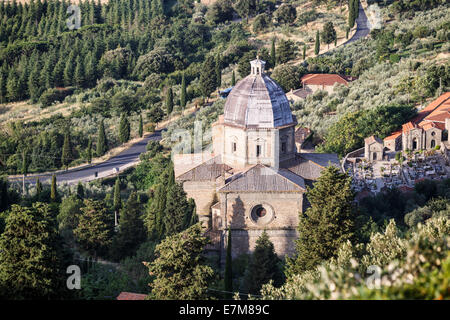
(261, 178)
(437, 111)
(310, 165)
(373, 139)
(394, 135)
(207, 171)
(325, 79)
(302, 92)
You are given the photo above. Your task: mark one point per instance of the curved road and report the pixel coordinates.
(130, 156)
(119, 163)
(362, 26)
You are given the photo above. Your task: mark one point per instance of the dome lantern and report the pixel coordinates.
(257, 67)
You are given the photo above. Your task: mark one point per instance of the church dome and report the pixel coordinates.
(257, 101)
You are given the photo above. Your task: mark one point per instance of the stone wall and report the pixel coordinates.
(315, 88)
(203, 193)
(433, 134)
(236, 212)
(394, 144)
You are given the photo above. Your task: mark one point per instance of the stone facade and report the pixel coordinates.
(426, 131)
(420, 139)
(373, 148)
(255, 180)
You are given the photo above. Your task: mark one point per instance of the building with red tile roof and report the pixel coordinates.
(131, 296)
(323, 81)
(425, 130)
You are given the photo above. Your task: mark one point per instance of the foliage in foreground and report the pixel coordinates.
(179, 269)
(415, 267)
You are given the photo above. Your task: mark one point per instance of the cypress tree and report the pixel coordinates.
(12, 85)
(177, 207)
(190, 217)
(80, 191)
(180, 269)
(228, 278)
(233, 79)
(66, 156)
(170, 175)
(90, 70)
(353, 12)
(79, 75)
(208, 77)
(219, 71)
(117, 199)
(58, 73)
(263, 266)
(3, 81)
(155, 213)
(38, 188)
(124, 129)
(304, 52)
(101, 140)
(169, 101)
(347, 30)
(24, 163)
(317, 45)
(327, 224)
(183, 92)
(356, 8)
(141, 126)
(89, 150)
(53, 190)
(68, 71)
(131, 229)
(34, 84)
(272, 53)
(94, 231)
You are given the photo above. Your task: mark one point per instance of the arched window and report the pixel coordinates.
(433, 143)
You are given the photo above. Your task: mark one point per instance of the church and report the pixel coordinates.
(254, 179)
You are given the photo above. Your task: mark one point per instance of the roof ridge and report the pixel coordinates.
(244, 173)
(204, 162)
(289, 171)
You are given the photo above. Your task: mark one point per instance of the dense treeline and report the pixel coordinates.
(80, 227)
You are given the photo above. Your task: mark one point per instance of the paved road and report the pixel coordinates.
(362, 26)
(119, 163)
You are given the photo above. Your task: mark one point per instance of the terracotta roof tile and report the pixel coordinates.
(325, 79)
(131, 296)
(373, 139)
(393, 136)
(437, 111)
